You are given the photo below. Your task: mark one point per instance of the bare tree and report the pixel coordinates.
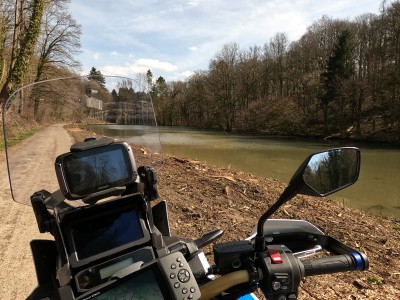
(249, 70)
(199, 106)
(223, 82)
(59, 42)
(6, 24)
(142, 82)
(391, 96)
(277, 50)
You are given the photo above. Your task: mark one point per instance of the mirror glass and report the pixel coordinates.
(332, 170)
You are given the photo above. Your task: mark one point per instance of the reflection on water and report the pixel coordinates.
(377, 190)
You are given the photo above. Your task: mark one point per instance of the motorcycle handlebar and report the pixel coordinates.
(336, 263)
(317, 266)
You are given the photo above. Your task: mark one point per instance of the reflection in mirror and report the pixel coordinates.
(332, 170)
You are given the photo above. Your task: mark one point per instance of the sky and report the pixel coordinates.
(176, 38)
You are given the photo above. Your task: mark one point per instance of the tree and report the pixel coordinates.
(7, 9)
(365, 42)
(97, 76)
(125, 90)
(223, 84)
(26, 49)
(141, 80)
(114, 95)
(149, 77)
(340, 67)
(160, 100)
(200, 107)
(277, 52)
(390, 94)
(60, 39)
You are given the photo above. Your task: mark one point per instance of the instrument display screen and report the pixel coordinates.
(143, 287)
(98, 274)
(97, 235)
(147, 284)
(108, 271)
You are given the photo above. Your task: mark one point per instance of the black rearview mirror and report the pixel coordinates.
(332, 170)
(321, 174)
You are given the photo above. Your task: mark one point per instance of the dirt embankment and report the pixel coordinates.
(202, 198)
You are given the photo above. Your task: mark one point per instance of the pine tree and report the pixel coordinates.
(340, 68)
(97, 76)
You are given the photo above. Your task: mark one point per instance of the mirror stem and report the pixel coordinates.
(287, 194)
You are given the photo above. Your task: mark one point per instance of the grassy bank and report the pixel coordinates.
(17, 130)
(16, 136)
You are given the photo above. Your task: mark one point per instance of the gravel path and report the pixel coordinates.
(17, 221)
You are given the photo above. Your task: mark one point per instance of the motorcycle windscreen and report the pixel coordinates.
(42, 120)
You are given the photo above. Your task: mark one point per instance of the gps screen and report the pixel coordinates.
(89, 172)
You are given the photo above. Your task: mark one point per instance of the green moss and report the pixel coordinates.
(28, 44)
(375, 280)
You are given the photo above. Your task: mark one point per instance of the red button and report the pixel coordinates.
(275, 256)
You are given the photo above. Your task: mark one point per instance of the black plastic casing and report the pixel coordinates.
(280, 280)
(95, 213)
(171, 275)
(232, 256)
(93, 148)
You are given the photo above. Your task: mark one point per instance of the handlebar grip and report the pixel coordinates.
(337, 263)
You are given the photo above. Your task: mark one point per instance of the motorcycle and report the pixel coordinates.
(110, 241)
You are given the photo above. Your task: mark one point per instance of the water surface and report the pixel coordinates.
(376, 191)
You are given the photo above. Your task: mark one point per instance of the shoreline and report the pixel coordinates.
(363, 140)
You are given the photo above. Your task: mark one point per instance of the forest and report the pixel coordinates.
(341, 79)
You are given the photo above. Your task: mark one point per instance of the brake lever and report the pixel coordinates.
(208, 238)
(309, 252)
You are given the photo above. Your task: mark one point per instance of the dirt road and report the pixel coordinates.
(17, 222)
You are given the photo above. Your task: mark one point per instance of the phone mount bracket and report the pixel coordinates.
(147, 186)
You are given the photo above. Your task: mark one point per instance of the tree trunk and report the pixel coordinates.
(26, 51)
(325, 111)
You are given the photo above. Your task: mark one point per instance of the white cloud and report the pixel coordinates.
(155, 64)
(139, 66)
(186, 74)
